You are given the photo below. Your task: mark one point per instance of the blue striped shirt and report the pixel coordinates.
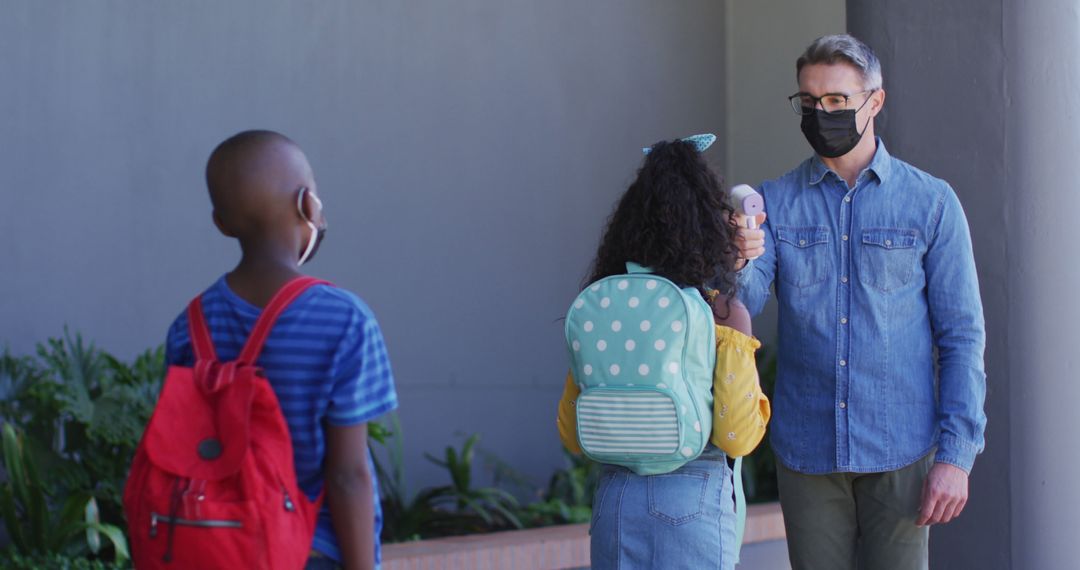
(325, 359)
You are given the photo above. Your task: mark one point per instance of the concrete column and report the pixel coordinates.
(949, 90)
(1043, 179)
(987, 96)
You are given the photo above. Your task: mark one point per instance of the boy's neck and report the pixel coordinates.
(258, 277)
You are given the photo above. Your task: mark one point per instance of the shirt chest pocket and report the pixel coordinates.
(888, 257)
(803, 255)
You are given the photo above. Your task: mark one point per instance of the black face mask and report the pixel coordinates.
(833, 134)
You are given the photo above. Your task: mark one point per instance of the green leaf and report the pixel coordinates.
(30, 464)
(497, 495)
(477, 508)
(460, 473)
(379, 432)
(435, 460)
(93, 517)
(13, 464)
(579, 515)
(509, 516)
(467, 451)
(17, 378)
(11, 519)
(25, 489)
(69, 520)
(38, 512)
(116, 537)
(112, 532)
(115, 416)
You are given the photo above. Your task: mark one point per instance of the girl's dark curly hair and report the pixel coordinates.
(674, 219)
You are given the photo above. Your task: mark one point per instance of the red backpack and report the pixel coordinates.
(212, 484)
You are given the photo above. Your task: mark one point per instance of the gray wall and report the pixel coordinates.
(467, 154)
(1043, 140)
(764, 37)
(944, 70)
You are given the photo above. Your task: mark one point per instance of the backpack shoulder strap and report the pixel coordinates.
(201, 342)
(740, 507)
(281, 300)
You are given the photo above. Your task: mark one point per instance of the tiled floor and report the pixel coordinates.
(566, 547)
(771, 555)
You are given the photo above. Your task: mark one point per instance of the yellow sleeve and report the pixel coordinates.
(740, 409)
(567, 418)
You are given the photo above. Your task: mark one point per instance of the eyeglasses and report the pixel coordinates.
(831, 103)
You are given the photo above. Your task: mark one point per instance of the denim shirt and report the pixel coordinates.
(877, 288)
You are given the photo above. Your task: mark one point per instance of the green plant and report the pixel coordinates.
(574, 484)
(79, 413)
(759, 468)
(568, 496)
(407, 517)
(554, 512)
(84, 415)
(35, 526)
(17, 376)
(493, 505)
(11, 560)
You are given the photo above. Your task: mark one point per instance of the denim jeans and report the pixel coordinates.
(683, 519)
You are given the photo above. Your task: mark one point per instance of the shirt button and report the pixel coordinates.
(843, 405)
(802, 242)
(847, 198)
(843, 363)
(888, 242)
(843, 320)
(844, 237)
(843, 279)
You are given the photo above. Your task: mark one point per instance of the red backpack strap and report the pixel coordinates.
(201, 342)
(281, 300)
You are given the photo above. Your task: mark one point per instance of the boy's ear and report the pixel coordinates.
(221, 226)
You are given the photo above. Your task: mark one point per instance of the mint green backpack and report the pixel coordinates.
(642, 350)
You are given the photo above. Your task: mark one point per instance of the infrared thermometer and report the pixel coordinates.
(747, 202)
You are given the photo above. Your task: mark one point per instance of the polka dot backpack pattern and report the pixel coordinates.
(642, 351)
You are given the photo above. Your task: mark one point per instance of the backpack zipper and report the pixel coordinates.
(204, 523)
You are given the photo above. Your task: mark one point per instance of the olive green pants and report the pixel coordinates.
(848, 521)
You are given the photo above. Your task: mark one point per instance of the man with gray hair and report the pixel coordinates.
(878, 410)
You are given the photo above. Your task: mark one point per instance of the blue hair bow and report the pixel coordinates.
(700, 142)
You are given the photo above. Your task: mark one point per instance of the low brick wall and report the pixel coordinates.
(550, 548)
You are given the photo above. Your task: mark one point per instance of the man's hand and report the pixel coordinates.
(944, 494)
(751, 242)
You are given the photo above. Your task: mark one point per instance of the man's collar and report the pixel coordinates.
(818, 171)
(880, 165)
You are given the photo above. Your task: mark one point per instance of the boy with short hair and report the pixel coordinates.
(325, 358)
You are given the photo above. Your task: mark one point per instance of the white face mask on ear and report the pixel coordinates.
(317, 234)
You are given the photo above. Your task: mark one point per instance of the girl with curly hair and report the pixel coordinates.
(674, 219)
